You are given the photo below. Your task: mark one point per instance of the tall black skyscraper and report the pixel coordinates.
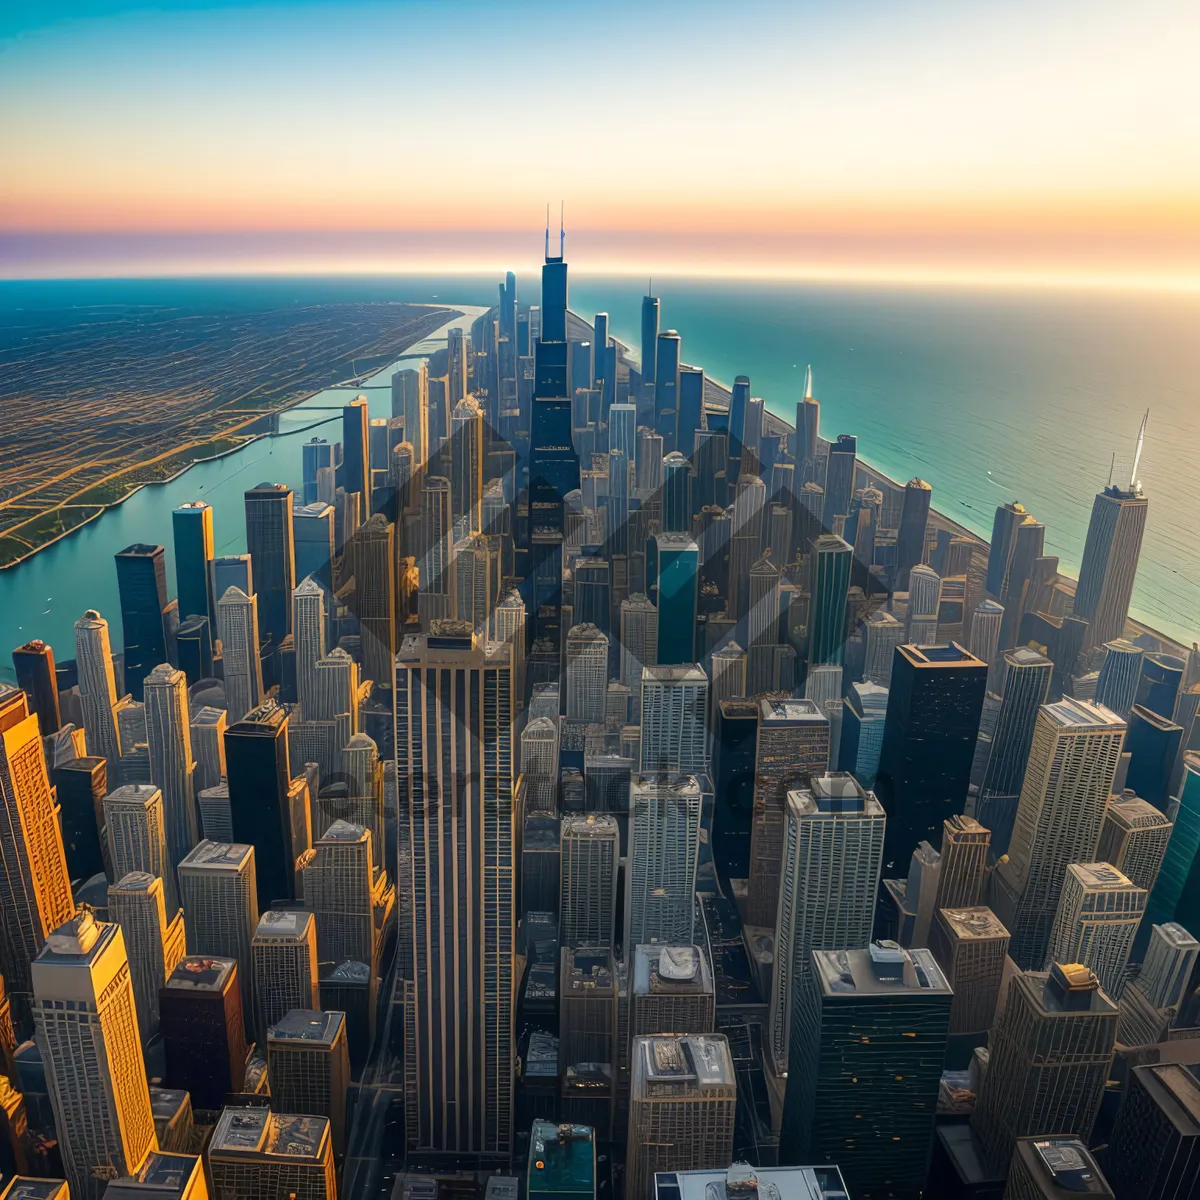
(554, 465)
(928, 743)
(649, 337)
(257, 765)
(356, 454)
(839, 478)
(910, 540)
(738, 399)
(142, 582)
(273, 554)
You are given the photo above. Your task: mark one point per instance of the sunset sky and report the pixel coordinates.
(879, 138)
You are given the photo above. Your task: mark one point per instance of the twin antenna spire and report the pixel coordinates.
(562, 232)
(1137, 457)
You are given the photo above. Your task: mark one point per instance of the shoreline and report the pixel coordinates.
(246, 440)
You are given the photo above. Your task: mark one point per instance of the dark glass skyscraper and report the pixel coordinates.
(192, 531)
(356, 453)
(677, 597)
(691, 410)
(34, 666)
(839, 478)
(738, 399)
(649, 338)
(272, 552)
(257, 765)
(831, 583)
(554, 465)
(142, 582)
(1153, 743)
(666, 385)
(934, 704)
(1110, 559)
(910, 541)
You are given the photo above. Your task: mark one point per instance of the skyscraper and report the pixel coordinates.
(864, 714)
(1154, 1151)
(1072, 763)
(269, 542)
(639, 642)
(466, 439)
(1049, 1059)
(192, 530)
(971, 946)
(316, 455)
(171, 766)
(1134, 838)
(313, 533)
(142, 581)
(590, 851)
(284, 952)
(135, 827)
(868, 1042)
(98, 689)
(375, 596)
(79, 787)
(434, 566)
(1110, 559)
(553, 465)
(682, 1105)
(1024, 676)
(677, 493)
(35, 887)
(678, 594)
(934, 703)
(664, 839)
(217, 887)
(670, 990)
(839, 478)
(257, 1152)
(34, 666)
(154, 939)
(1099, 912)
(910, 539)
(1054, 1167)
(587, 673)
(356, 453)
(455, 691)
(308, 1063)
(792, 747)
(649, 338)
(203, 1029)
(884, 633)
(237, 624)
(256, 752)
(674, 720)
(832, 850)
(1153, 743)
(831, 583)
(1120, 672)
(104, 1128)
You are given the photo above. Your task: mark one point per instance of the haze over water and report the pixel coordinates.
(989, 395)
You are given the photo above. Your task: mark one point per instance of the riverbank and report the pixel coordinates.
(148, 387)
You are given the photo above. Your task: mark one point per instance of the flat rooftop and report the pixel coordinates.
(774, 1183)
(784, 709)
(562, 1158)
(949, 655)
(308, 1025)
(855, 973)
(200, 973)
(699, 1060)
(218, 856)
(259, 1131)
(972, 924)
(286, 924)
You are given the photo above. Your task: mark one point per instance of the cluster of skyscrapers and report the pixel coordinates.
(591, 781)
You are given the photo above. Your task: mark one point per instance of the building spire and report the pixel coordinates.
(808, 382)
(1137, 455)
(562, 229)
(547, 230)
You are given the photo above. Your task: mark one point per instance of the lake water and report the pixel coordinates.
(990, 396)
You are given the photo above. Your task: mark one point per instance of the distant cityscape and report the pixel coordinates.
(589, 786)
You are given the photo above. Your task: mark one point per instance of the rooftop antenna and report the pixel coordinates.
(1112, 466)
(808, 382)
(547, 230)
(562, 229)
(650, 287)
(1137, 455)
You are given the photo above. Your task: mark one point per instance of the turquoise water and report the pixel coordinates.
(990, 396)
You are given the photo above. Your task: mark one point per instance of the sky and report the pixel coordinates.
(995, 139)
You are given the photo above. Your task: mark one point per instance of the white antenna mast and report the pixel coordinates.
(1137, 456)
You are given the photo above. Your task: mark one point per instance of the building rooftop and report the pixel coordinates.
(139, 794)
(683, 673)
(1071, 713)
(308, 1025)
(1176, 1089)
(655, 783)
(562, 1158)
(82, 938)
(1135, 813)
(218, 856)
(949, 655)
(1150, 717)
(22, 1187)
(207, 715)
(1025, 656)
(782, 709)
(1065, 1164)
(699, 1060)
(670, 970)
(589, 969)
(259, 1131)
(882, 969)
(284, 924)
(161, 1174)
(200, 973)
(541, 832)
(134, 881)
(350, 972)
(1101, 876)
(582, 825)
(343, 831)
(742, 1182)
(165, 1103)
(834, 793)
(971, 924)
